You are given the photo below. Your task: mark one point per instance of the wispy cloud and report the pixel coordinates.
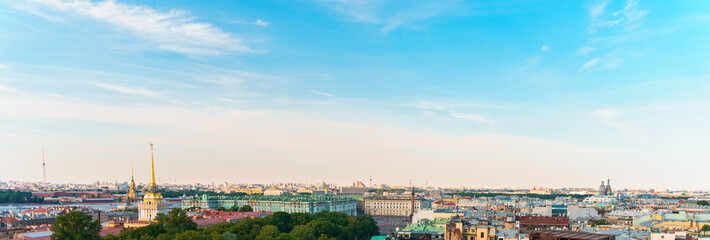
(585, 50)
(631, 14)
(129, 90)
(392, 15)
(258, 22)
(596, 10)
(322, 93)
(232, 78)
(470, 116)
(6, 89)
(628, 15)
(174, 30)
(317, 142)
(261, 23)
(610, 117)
(545, 48)
(430, 107)
(612, 59)
(590, 63)
(361, 11)
(419, 13)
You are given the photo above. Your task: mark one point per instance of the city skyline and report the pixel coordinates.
(472, 93)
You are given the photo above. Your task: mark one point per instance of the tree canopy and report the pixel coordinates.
(75, 225)
(12, 196)
(279, 226)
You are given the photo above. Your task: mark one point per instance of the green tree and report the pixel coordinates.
(324, 237)
(301, 218)
(192, 235)
(176, 221)
(221, 209)
(268, 232)
(303, 232)
(364, 227)
(285, 236)
(75, 225)
(705, 229)
(325, 227)
(246, 208)
(148, 232)
(702, 203)
(598, 222)
(234, 209)
(282, 220)
(229, 236)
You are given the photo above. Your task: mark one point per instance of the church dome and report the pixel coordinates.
(153, 195)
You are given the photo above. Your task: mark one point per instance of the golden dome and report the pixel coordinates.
(152, 195)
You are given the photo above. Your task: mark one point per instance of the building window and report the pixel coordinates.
(482, 235)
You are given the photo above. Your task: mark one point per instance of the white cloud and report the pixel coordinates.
(2, 66)
(610, 116)
(628, 16)
(6, 89)
(128, 90)
(585, 50)
(429, 106)
(418, 13)
(630, 12)
(392, 15)
(361, 11)
(472, 117)
(257, 22)
(174, 30)
(261, 23)
(232, 78)
(545, 48)
(322, 93)
(597, 10)
(591, 63)
(255, 140)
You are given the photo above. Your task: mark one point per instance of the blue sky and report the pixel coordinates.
(476, 93)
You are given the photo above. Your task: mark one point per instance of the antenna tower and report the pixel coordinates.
(44, 169)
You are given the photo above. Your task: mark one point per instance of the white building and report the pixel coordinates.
(600, 200)
(153, 202)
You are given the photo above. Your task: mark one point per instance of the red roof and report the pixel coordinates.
(537, 220)
(8, 219)
(204, 222)
(37, 210)
(107, 231)
(37, 238)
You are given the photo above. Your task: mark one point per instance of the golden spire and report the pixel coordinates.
(152, 168)
(132, 187)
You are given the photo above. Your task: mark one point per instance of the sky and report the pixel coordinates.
(446, 93)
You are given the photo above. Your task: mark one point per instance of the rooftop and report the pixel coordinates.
(537, 220)
(575, 235)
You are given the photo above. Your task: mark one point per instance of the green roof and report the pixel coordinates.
(440, 221)
(423, 227)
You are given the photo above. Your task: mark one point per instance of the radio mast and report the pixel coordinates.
(44, 170)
